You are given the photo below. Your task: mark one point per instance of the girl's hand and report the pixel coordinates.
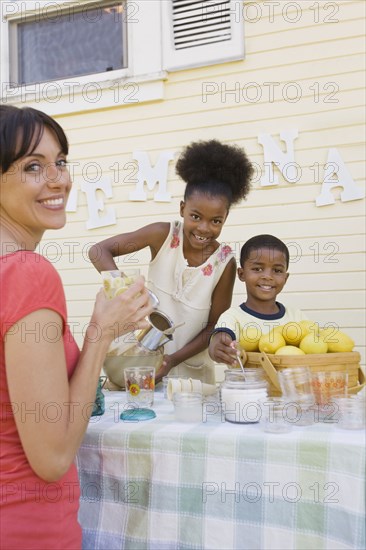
(165, 368)
(122, 314)
(222, 349)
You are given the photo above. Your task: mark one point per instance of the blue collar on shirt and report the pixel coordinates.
(267, 317)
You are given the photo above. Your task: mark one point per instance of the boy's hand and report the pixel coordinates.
(222, 349)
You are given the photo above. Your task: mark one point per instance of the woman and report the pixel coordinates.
(46, 385)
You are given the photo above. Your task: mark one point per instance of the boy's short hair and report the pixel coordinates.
(263, 241)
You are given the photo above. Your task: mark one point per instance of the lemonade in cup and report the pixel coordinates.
(117, 281)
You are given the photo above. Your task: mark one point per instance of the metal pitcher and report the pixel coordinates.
(154, 336)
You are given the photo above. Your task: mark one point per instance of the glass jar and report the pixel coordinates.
(240, 400)
(350, 412)
(188, 406)
(250, 374)
(134, 356)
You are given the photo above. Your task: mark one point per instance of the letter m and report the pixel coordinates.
(152, 176)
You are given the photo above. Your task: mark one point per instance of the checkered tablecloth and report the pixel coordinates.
(165, 485)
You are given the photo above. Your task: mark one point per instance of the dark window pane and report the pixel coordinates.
(71, 44)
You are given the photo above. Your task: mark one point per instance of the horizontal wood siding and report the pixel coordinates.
(326, 62)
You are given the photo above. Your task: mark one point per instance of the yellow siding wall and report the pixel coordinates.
(328, 287)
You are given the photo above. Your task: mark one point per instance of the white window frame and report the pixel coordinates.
(52, 15)
(141, 81)
(150, 54)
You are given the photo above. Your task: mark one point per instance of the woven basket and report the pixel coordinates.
(343, 362)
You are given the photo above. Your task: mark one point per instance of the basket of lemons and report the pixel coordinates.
(302, 344)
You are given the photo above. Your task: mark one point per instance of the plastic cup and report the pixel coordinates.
(166, 381)
(140, 385)
(296, 384)
(327, 385)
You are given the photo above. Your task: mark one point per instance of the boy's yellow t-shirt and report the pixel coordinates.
(237, 319)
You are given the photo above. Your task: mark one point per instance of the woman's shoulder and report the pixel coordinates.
(25, 262)
(29, 273)
(28, 282)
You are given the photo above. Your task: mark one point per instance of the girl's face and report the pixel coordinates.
(264, 274)
(203, 218)
(35, 189)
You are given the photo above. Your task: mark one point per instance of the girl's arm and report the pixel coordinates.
(101, 254)
(52, 412)
(221, 301)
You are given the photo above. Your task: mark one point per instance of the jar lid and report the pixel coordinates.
(254, 384)
(252, 374)
(136, 415)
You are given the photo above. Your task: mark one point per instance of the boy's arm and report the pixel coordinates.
(222, 348)
(102, 254)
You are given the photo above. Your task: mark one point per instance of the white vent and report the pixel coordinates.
(196, 23)
(201, 32)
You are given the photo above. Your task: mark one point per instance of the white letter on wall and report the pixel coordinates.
(273, 154)
(336, 167)
(95, 205)
(72, 201)
(152, 176)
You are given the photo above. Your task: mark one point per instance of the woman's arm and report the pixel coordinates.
(52, 412)
(101, 254)
(221, 301)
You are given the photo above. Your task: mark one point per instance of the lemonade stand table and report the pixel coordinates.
(165, 485)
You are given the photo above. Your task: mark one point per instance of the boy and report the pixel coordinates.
(264, 261)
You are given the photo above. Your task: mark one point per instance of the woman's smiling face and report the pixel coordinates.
(35, 189)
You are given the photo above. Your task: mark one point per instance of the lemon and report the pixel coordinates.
(313, 343)
(328, 332)
(120, 290)
(117, 282)
(249, 338)
(107, 288)
(271, 342)
(289, 350)
(340, 342)
(308, 327)
(292, 333)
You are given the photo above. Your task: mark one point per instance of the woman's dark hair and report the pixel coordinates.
(214, 168)
(21, 131)
(263, 241)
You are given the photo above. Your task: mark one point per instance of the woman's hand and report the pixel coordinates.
(122, 314)
(223, 349)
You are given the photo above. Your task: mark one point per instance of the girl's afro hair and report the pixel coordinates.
(209, 166)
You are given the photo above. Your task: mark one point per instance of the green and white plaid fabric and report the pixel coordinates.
(163, 485)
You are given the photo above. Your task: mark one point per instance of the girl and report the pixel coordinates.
(47, 386)
(191, 274)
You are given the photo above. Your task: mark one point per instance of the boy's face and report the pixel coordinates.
(264, 274)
